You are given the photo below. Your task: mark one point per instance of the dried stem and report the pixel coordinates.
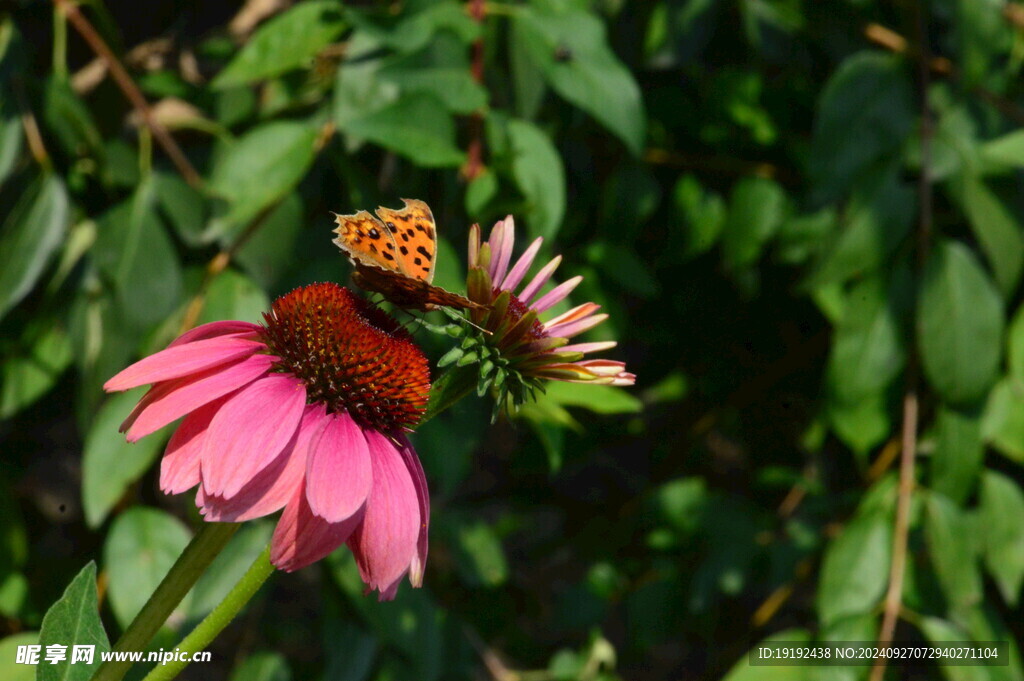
(474, 154)
(130, 90)
(908, 453)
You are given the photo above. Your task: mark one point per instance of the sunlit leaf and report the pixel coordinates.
(286, 42)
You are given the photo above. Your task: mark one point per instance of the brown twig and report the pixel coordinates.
(908, 447)
(475, 153)
(718, 164)
(131, 90)
(894, 42)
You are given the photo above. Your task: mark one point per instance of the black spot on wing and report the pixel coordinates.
(424, 252)
(418, 262)
(404, 250)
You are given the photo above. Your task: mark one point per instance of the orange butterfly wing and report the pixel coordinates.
(394, 255)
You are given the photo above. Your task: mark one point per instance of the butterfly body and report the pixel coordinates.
(394, 254)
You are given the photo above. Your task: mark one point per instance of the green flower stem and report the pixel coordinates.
(446, 391)
(221, 616)
(191, 564)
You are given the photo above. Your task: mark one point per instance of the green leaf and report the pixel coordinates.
(959, 452)
(959, 325)
(600, 399)
(877, 218)
(744, 671)
(570, 48)
(483, 559)
(133, 250)
(232, 295)
(1015, 345)
(74, 620)
(454, 87)
(855, 570)
(11, 136)
(702, 212)
(949, 533)
(270, 251)
(31, 233)
(860, 425)
(67, 116)
(1002, 508)
(417, 127)
(141, 547)
(756, 209)
(1002, 425)
(257, 170)
(263, 666)
(10, 670)
(26, 378)
(109, 462)
(1006, 150)
(865, 113)
(867, 347)
(184, 208)
(288, 41)
(940, 631)
(540, 176)
(997, 231)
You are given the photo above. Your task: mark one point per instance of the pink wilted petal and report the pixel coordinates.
(338, 470)
(385, 544)
(539, 279)
(179, 469)
(301, 538)
(182, 360)
(557, 294)
(503, 249)
(419, 480)
(191, 392)
(249, 431)
(522, 265)
(275, 485)
(215, 329)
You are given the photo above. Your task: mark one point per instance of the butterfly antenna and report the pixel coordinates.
(455, 316)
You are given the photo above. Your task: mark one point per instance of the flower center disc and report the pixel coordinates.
(350, 354)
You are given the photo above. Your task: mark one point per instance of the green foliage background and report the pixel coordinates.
(740, 183)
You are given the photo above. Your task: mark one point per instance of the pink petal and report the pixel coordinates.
(249, 431)
(494, 244)
(541, 278)
(522, 265)
(179, 469)
(419, 479)
(386, 542)
(301, 538)
(578, 312)
(585, 348)
(338, 471)
(570, 329)
(557, 294)
(276, 484)
(182, 360)
(503, 255)
(194, 391)
(214, 329)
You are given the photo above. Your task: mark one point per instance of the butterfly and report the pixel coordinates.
(395, 255)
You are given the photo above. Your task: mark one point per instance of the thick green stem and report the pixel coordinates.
(221, 616)
(191, 564)
(447, 390)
